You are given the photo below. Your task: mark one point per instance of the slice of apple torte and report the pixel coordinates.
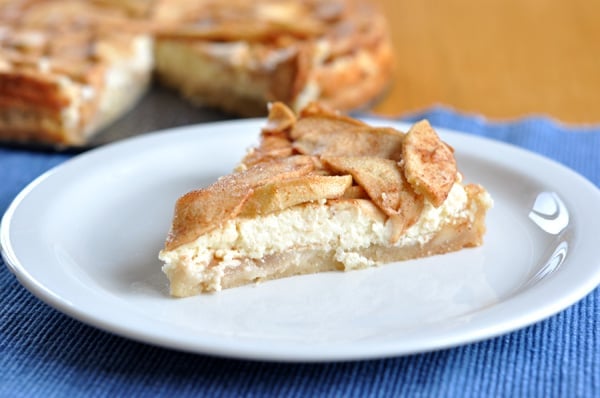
(323, 192)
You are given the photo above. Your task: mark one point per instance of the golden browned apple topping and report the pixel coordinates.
(321, 155)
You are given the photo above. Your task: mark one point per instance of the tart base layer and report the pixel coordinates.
(310, 261)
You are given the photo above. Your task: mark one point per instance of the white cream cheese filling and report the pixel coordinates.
(338, 225)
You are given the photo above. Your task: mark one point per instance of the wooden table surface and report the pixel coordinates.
(499, 58)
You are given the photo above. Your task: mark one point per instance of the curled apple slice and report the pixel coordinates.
(279, 195)
(429, 164)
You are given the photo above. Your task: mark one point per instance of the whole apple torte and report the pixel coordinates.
(70, 67)
(323, 192)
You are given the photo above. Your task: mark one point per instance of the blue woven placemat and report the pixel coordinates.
(45, 353)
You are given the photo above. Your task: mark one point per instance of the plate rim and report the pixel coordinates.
(36, 287)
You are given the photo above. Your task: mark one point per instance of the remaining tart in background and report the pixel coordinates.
(239, 55)
(67, 69)
(323, 192)
(70, 67)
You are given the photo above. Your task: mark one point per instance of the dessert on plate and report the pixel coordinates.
(323, 192)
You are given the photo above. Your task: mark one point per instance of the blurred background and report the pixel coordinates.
(499, 58)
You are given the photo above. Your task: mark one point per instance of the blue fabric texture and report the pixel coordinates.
(45, 353)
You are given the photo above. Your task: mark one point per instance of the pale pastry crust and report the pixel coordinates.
(292, 207)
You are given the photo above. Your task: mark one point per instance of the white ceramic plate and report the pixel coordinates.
(84, 238)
